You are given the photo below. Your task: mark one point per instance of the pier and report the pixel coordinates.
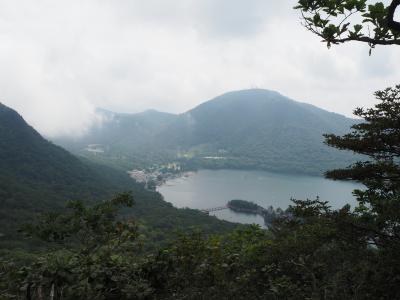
(208, 210)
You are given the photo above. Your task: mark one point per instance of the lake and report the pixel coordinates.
(212, 188)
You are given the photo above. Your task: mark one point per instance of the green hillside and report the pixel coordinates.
(36, 175)
(252, 129)
(262, 130)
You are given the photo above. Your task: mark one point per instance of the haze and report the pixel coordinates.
(62, 59)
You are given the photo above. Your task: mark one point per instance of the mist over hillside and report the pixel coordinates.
(248, 129)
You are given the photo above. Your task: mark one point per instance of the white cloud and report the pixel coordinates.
(61, 59)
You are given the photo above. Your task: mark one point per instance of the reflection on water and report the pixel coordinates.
(208, 188)
(230, 215)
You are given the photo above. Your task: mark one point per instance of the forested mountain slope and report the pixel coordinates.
(36, 175)
(255, 129)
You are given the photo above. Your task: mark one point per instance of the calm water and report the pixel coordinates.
(206, 188)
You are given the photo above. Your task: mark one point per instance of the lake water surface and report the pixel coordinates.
(209, 188)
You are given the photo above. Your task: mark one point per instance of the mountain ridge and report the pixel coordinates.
(255, 128)
(152, 110)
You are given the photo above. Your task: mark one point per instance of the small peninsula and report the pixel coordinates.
(247, 207)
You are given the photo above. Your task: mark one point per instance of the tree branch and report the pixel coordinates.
(392, 24)
(366, 39)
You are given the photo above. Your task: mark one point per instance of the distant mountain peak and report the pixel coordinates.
(153, 112)
(104, 111)
(245, 96)
(150, 111)
(253, 91)
(147, 112)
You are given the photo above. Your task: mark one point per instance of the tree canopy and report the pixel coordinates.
(378, 137)
(341, 21)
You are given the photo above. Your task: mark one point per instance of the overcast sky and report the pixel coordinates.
(61, 59)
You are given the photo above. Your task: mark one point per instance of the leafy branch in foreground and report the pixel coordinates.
(341, 21)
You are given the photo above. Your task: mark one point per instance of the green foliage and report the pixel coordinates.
(379, 139)
(91, 253)
(89, 226)
(94, 256)
(338, 22)
(243, 204)
(309, 256)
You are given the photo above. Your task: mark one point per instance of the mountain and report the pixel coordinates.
(260, 129)
(252, 129)
(36, 175)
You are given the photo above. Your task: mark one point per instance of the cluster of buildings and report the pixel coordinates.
(143, 176)
(156, 175)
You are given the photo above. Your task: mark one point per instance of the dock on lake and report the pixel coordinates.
(208, 210)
